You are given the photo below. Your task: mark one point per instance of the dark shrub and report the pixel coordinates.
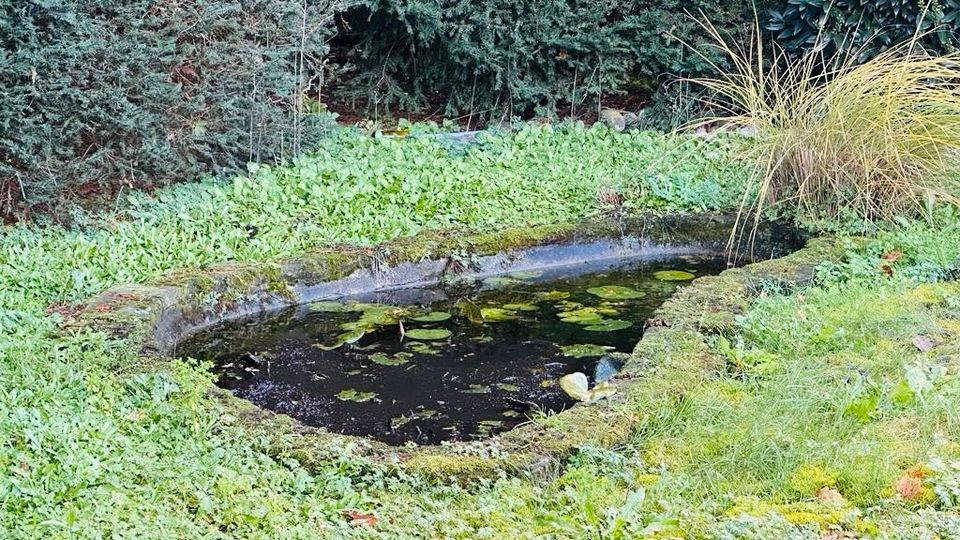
(506, 58)
(96, 95)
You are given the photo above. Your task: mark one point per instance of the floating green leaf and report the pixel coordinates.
(397, 359)
(521, 307)
(477, 389)
(398, 421)
(508, 387)
(615, 292)
(586, 315)
(350, 336)
(433, 316)
(673, 275)
(494, 314)
(553, 295)
(350, 394)
(428, 334)
(329, 307)
(608, 325)
(423, 348)
(584, 350)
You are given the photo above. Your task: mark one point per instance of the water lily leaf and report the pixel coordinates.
(493, 314)
(521, 307)
(615, 292)
(477, 389)
(586, 315)
(350, 394)
(481, 339)
(553, 295)
(608, 325)
(510, 413)
(673, 275)
(584, 350)
(351, 336)
(397, 359)
(423, 348)
(576, 385)
(508, 387)
(433, 316)
(428, 334)
(329, 307)
(398, 421)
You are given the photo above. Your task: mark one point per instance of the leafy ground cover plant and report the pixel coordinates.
(821, 393)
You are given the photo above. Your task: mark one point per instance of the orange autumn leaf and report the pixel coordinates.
(829, 495)
(909, 487)
(892, 256)
(103, 308)
(360, 518)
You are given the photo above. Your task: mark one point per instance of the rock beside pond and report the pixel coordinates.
(613, 119)
(608, 366)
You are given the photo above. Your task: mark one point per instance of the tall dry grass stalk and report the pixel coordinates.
(836, 140)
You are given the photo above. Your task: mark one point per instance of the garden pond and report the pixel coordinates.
(457, 362)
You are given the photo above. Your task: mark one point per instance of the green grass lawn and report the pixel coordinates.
(825, 386)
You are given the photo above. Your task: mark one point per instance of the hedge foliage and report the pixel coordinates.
(866, 26)
(95, 95)
(506, 58)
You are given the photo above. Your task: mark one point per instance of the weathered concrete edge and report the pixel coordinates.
(154, 316)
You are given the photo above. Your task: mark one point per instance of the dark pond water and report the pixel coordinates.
(450, 364)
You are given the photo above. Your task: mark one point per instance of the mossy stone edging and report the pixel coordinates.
(154, 317)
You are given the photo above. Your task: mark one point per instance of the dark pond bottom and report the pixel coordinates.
(448, 364)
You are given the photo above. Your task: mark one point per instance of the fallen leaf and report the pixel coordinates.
(103, 308)
(923, 343)
(829, 495)
(908, 486)
(892, 256)
(360, 518)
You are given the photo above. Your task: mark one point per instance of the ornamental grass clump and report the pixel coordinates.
(837, 141)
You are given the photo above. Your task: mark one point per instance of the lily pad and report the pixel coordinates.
(428, 334)
(673, 275)
(433, 316)
(397, 359)
(615, 292)
(398, 421)
(584, 350)
(586, 315)
(494, 314)
(423, 348)
(350, 336)
(350, 394)
(521, 307)
(608, 325)
(508, 387)
(329, 307)
(553, 295)
(477, 389)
